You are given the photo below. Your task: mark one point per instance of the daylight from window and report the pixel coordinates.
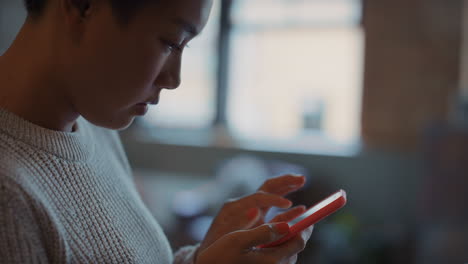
(296, 71)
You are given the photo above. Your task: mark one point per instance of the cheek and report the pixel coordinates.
(115, 66)
(124, 72)
(137, 63)
(145, 65)
(137, 73)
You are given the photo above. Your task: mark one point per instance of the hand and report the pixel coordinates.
(281, 186)
(249, 211)
(240, 246)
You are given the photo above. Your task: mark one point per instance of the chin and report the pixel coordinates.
(119, 124)
(116, 123)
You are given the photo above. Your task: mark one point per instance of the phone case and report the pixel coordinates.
(315, 217)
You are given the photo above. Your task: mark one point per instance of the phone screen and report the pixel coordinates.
(315, 208)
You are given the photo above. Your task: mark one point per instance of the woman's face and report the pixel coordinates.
(112, 71)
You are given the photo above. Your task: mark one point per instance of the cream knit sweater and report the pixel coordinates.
(70, 198)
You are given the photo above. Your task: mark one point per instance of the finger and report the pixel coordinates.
(292, 260)
(283, 185)
(258, 223)
(263, 234)
(307, 233)
(258, 204)
(248, 212)
(263, 200)
(289, 215)
(288, 249)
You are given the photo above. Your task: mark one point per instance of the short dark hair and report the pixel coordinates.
(124, 10)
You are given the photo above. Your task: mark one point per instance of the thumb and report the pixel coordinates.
(263, 234)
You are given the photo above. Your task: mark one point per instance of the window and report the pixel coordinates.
(291, 74)
(296, 68)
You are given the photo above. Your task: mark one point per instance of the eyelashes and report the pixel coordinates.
(171, 46)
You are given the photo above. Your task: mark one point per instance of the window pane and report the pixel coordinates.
(290, 12)
(296, 71)
(192, 105)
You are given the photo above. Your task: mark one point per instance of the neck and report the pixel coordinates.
(29, 79)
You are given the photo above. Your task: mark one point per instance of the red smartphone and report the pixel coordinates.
(313, 215)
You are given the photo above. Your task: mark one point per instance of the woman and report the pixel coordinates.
(77, 71)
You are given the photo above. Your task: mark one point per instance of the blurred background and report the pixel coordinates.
(368, 96)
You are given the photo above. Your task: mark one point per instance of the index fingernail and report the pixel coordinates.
(295, 185)
(298, 175)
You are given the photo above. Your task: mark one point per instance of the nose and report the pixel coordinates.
(169, 77)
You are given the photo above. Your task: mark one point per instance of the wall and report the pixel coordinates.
(412, 69)
(12, 15)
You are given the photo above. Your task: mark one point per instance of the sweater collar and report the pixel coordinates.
(74, 146)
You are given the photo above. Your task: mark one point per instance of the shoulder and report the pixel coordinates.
(18, 204)
(26, 227)
(13, 175)
(16, 162)
(16, 188)
(19, 170)
(11, 189)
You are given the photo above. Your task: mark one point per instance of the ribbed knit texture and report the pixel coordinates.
(70, 198)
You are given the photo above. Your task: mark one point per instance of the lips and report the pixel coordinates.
(150, 102)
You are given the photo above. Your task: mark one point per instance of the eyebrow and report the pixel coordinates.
(187, 26)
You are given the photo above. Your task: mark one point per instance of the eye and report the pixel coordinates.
(171, 45)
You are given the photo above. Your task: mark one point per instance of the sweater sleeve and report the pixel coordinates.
(20, 239)
(186, 255)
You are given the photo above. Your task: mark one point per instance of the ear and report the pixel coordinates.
(75, 14)
(77, 10)
(83, 6)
